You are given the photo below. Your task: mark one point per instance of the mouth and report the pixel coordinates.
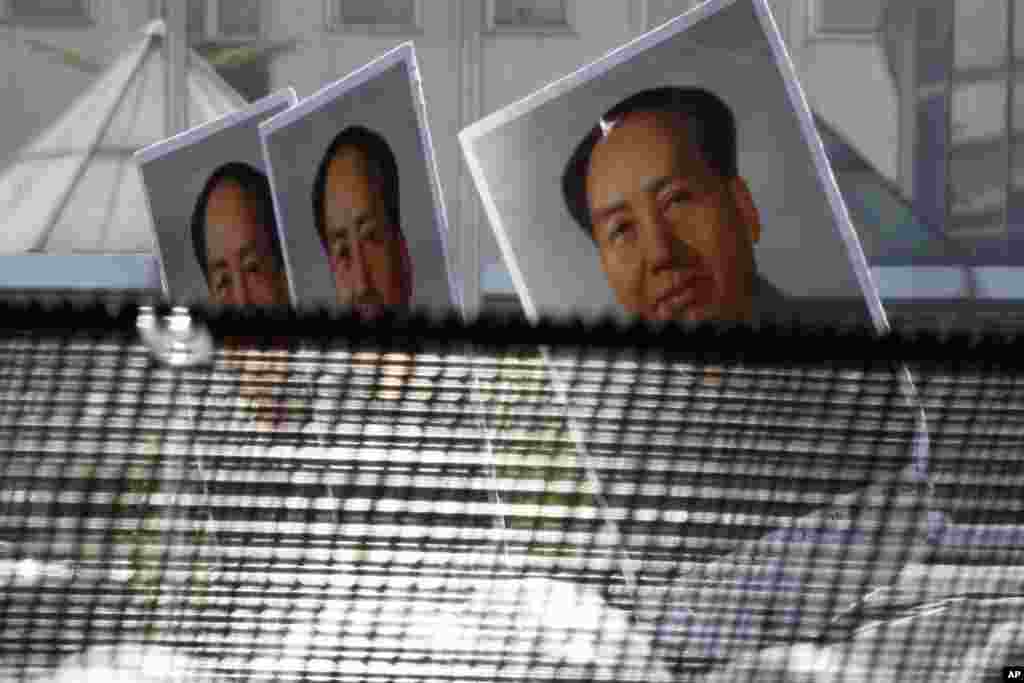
(684, 300)
(369, 311)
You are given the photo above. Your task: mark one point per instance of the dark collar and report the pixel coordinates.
(768, 299)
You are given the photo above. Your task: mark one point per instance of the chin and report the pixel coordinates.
(695, 315)
(370, 311)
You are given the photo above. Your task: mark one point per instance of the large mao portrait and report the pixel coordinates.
(358, 196)
(210, 198)
(680, 177)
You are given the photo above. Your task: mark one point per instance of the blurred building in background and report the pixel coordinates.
(75, 189)
(916, 101)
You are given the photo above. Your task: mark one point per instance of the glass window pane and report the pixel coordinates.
(238, 17)
(530, 13)
(980, 33)
(979, 164)
(91, 219)
(48, 9)
(28, 217)
(978, 178)
(979, 111)
(385, 12)
(978, 186)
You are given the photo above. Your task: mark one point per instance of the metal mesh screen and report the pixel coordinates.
(417, 500)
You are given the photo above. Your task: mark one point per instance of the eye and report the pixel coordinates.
(371, 230)
(619, 231)
(339, 247)
(252, 265)
(677, 197)
(221, 284)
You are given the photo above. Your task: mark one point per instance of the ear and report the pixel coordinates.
(330, 258)
(744, 202)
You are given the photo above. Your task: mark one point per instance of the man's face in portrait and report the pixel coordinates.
(675, 238)
(363, 246)
(242, 265)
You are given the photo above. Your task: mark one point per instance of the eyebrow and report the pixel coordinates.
(362, 217)
(246, 250)
(657, 184)
(618, 204)
(599, 215)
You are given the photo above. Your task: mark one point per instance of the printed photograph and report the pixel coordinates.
(357, 193)
(210, 199)
(680, 177)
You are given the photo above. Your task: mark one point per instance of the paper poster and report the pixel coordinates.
(211, 203)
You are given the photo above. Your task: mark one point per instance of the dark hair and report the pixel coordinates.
(256, 187)
(710, 120)
(382, 166)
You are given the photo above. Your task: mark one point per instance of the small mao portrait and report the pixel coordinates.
(357, 213)
(358, 195)
(214, 220)
(656, 185)
(235, 238)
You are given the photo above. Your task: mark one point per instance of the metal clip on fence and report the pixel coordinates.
(175, 339)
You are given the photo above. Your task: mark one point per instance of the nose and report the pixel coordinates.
(662, 245)
(241, 290)
(360, 271)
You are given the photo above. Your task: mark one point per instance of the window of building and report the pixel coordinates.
(532, 16)
(223, 20)
(845, 19)
(955, 62)
(968, 171)
(374, 15)
(217, 27)
(48, 12)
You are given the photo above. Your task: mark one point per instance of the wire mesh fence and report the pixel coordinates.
(414, 500)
